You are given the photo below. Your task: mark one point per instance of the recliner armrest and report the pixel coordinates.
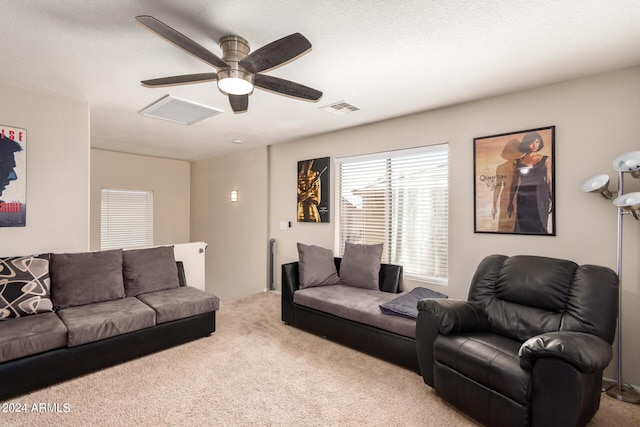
(588, 353)
(442, 317)
(455, 316)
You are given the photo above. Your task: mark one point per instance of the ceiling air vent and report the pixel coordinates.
(339, 108)
(179, 110)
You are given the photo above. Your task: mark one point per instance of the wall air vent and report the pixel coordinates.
(179, 110)
(339, 108)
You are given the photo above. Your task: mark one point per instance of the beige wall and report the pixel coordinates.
(57, 173)
(168, 179)
(596, 119)
(237, 255)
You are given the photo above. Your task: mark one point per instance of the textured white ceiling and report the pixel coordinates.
(388, 58)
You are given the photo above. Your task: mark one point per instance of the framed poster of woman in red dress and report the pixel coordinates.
(514, 183)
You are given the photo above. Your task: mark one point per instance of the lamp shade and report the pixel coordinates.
(629, 201)
(600, 184)
(627, 162)
(596, 183)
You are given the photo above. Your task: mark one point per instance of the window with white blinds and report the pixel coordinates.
(126, 219)
(400, 199)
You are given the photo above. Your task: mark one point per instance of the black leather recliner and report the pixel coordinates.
(528, 347)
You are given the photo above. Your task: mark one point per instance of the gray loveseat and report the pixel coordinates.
(355, 300)
(65, 315)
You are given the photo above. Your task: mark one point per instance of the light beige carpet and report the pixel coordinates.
(255, 371)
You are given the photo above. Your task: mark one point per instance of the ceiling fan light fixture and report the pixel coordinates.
(239, 69)
(235, 82)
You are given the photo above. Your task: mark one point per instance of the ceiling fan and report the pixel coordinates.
(238, 71)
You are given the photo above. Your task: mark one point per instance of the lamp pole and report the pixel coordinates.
(620, 391)
(628, 162)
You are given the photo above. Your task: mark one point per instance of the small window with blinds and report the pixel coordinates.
(398, 198)
(126, 219)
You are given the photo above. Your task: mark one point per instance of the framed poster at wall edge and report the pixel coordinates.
(313, 190)
(13, 176)
(514, 182)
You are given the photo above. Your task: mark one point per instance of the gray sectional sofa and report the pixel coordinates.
(65, 315)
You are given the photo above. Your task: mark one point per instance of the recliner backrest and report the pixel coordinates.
(524, 296)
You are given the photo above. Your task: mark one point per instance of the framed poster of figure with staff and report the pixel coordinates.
(313, 190)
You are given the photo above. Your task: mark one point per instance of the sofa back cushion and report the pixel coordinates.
(86, 277)
(316, 266)
(525, 296)
(360, 266)
(149, 270)
(390, 278)
(24, 286)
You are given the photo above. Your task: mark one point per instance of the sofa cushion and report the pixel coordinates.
(86, 277)
(360, 266)
(316, 266)
(24, 286)
(149, 270)
(173, 304)
(488, 359)
(359, 305)
(93, 322)
(29, 335)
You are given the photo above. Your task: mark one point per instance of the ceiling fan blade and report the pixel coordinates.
(179, 80)
(239, 103)
(180, 40)
(276, 53)
(286, 87)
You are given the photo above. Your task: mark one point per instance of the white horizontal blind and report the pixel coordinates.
(126, 219)
(400, 199)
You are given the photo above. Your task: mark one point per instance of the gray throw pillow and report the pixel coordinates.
(316, 266)
(24, 286)
(86, 277)
(149, 270)
(360, 266)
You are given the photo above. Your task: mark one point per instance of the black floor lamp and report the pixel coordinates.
(628, 163)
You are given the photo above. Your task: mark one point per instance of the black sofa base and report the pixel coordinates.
(377, 342)
(31, 373)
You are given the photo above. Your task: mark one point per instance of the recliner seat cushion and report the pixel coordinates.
(174, 304)
(93, 322)
(489, 359)
(24, 336)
